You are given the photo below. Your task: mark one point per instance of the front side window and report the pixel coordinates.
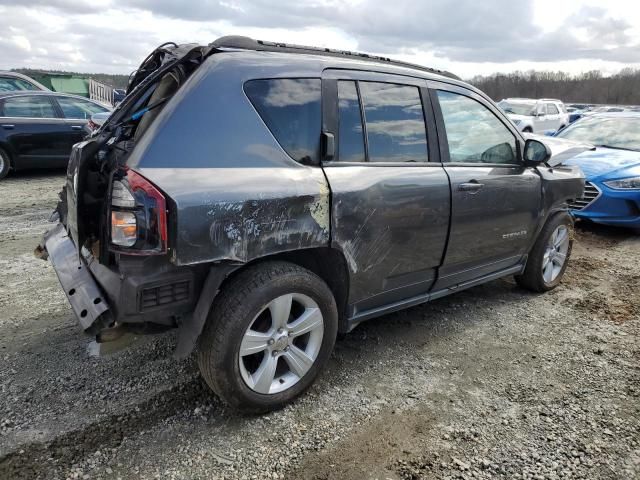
(552, 109)
(11, 84)
(290, 107)
(474, 133)
(78, 108)
(28, 107)
(394, 122)
(350, 133)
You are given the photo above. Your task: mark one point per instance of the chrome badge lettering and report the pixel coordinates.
(508, 236)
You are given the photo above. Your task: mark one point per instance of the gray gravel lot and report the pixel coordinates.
(493, 382)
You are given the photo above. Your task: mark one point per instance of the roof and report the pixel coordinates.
(520, 99)
(625, 114)
(247, 43)
(22, 77)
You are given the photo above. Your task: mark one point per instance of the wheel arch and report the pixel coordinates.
(6, 148)
(328, 263)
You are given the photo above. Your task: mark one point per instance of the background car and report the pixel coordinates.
(14, 81)
(38, 129)
(95, 121)
(611, 168)
(535, 116)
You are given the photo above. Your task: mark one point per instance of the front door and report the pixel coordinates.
(390, 204)
(495, 198)
(34, 131)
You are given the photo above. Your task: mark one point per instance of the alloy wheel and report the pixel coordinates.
(281, 344)
(555, 254)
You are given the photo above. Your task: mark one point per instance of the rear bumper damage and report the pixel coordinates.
(82, 291)
(138, 295)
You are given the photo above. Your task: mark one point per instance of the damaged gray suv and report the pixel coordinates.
(261, 198)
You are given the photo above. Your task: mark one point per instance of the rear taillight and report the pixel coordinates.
(92, 125)
(138, 216)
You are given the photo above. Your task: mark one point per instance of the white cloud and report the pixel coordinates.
(466, 37)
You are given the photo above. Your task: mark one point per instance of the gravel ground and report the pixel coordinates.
(493, 382)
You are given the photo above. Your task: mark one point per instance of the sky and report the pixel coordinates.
(467, 37)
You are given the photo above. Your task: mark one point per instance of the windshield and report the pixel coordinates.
(616, 132)
(517, 108)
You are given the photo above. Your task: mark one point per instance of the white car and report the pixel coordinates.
(535, 116)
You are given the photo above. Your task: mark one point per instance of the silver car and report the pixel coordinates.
(535, 116)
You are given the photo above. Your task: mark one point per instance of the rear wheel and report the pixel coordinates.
(5, 163)
(549, 256)
(527, 130)
(268, 336)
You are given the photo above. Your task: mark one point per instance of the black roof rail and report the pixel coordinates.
(247, 43)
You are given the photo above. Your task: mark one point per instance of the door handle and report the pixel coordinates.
(8, 127)
(471, 187)
(76, 127)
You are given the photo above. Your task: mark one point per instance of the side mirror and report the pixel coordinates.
(536, 152)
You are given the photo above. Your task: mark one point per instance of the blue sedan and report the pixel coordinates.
(611, 169)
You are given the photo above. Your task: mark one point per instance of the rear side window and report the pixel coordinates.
(350, 133)
(10, 84)
(28, 107)
(77, 108)
(552, 109)
(290, 107)
(394, 121)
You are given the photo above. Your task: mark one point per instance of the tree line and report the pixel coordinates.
(622, 88)
(116, 81)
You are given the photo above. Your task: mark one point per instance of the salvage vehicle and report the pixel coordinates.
(611, 167)
(38, 129)
(263, 197)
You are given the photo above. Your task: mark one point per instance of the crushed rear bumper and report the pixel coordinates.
(85, 296)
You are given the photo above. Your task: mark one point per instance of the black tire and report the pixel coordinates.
(527, 130)
(235, 310)
(532, 278)
(5, 163)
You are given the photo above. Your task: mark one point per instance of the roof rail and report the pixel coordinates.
(247, 43)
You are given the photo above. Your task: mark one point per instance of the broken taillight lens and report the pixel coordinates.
(138, 215)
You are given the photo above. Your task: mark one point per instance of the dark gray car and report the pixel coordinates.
(262, 198)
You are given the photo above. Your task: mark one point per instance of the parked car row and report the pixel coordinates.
(535, 116)
(38, 128)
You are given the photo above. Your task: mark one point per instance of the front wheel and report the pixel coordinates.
(270, 333)
(549, 256)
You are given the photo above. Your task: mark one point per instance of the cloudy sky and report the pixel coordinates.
(467, 37)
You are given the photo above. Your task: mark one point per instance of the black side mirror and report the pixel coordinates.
(536, 152)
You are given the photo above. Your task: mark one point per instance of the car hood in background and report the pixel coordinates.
(561, 150)
(522, 118)
(604, 161)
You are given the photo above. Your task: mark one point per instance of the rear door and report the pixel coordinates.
(77, 112)
(496, 200)
(390, 204)
(34, 131)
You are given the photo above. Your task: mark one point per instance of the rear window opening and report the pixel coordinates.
(104, 159)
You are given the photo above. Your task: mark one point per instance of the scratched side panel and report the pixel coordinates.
(391, 224)
(241, 214)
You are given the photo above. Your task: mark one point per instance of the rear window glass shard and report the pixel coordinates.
(291, 109)
(396, 130)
